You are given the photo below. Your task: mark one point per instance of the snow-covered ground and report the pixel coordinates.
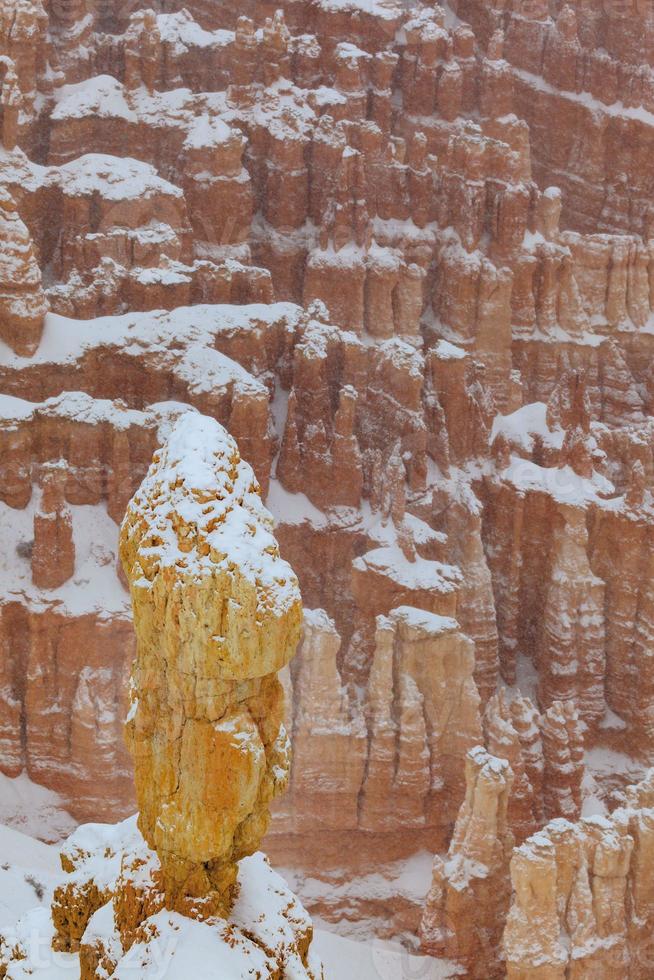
(30, 870)
(28, 873)
(34, 810)
(94, 586)
(345, 959)
(368, 898)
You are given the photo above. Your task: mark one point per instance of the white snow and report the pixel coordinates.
(34, 932)
(420, 574)
(179, 947)
(15, 409)
(171, 336)
(346, 959)
(115, 178)
(182, 948)
(207, 132)
(292, 508)
(33, 810)
(326, 96)
(94, 586)
(561, 482)
(449, 352)
(521, 426)
(428, 622)
(409, 878)
(29, 871)
(182, 30)
(604, 762)
(383, 9)
(587, 100)
(102, 96)
(82, 407)
(266, 916)
(215, 493)
(350, 52)
(263, 890)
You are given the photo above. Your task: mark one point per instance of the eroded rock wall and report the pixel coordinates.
(404, 255)
(582, 896)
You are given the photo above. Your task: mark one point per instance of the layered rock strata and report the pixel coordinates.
(581, 902)
(404, 254)
(217, 613)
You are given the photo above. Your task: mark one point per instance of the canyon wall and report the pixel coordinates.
(404, 255)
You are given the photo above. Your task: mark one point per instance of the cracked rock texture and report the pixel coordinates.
(404, 254)
(217, 614)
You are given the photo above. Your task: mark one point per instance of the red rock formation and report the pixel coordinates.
(512, 732)
(22, 303)
(53, 551)
(456, 417)
(545, 503)
(468, 902)
(563, 754)
(571, 654)
(581, 898)
(475, 606)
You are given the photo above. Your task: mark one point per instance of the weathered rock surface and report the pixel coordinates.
(466, 907)
(404, 254)
(22, 301)
(392, 760)
(217, 614)
(582, 896)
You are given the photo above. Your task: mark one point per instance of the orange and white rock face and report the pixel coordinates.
(581, 901)
(403, 254)
(467, 904)
(22, 301)
(217, 614)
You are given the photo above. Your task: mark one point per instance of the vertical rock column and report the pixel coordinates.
(468, 902)
(217, 614)
(53, 554)
(22, 300)
(329, 735)
(422, 712)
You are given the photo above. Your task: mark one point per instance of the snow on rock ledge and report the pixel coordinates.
(267, 934)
